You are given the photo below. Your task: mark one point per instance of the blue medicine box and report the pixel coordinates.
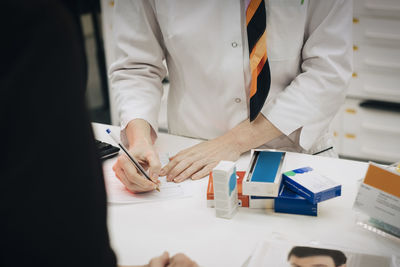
(311, 185)
(263, 176)
(290, 202)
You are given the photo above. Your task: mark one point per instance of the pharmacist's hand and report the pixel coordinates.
(197, 161)
(127, 173)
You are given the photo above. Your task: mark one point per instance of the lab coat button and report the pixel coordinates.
(238, 100)
(234, 44)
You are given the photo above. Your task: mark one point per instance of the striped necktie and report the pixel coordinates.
(260, 73)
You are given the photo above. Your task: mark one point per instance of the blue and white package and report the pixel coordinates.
(225, 189)
(263, 176)
(311, 185)
(290, 202)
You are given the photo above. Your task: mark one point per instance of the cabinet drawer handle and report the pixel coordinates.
(382, 35)
(380, 105)
(350, 110)
(378, 7)
(350, 136)
(381, 64)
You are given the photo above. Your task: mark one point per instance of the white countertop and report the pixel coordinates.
(139, 232)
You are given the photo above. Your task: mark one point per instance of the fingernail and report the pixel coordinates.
(154, 176)
(162, 172)
(169, 177)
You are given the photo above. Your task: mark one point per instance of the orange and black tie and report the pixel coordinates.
(256, 22)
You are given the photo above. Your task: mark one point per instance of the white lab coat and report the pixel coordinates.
(205, 47)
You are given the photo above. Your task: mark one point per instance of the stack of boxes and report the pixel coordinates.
(265, 186)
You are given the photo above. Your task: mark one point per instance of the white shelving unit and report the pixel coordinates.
(368, 125)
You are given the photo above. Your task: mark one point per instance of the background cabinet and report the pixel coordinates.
(368, 125)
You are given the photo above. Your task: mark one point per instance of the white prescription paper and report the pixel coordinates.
(118, 194)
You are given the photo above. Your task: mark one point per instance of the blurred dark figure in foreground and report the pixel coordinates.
(52, 195)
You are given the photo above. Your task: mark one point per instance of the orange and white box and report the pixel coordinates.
(243, 200)
(379, 195)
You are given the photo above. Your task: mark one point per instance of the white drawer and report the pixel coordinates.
(380, 59)
(380, 8)
(369, 134)
(364, 148)
(377, 31)
(371, 85)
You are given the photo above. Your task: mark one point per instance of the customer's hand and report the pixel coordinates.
(178, 260)
(160, 261)
(181, 260)
(197, 161)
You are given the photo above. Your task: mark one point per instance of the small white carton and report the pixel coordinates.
(225, 189)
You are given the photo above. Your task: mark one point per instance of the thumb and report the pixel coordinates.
(154, 166)
(160, 261)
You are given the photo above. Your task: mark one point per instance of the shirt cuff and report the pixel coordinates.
(281, 116)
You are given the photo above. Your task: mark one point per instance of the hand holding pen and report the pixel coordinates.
(131, 172)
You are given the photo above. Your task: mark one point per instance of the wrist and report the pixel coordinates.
(143, 142)
(139, 132)
(230, 140)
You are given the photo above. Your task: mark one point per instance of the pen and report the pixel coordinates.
(322, 151)
(137, 164)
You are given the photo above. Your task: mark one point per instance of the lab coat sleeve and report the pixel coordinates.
(312, 99)
(137, 73)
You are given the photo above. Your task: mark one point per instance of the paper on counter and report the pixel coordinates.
(275, 253)
(118, 194)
